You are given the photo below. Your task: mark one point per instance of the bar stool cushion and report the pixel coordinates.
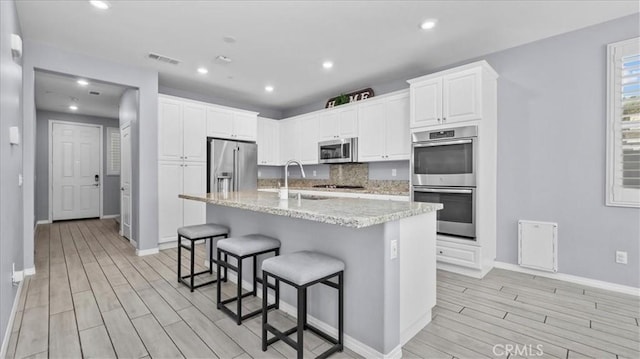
(249, 244)
(303, 267)
(203, 231)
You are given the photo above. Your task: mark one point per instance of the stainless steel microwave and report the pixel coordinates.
(344, 150)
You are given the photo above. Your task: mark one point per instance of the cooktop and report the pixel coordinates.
(337, 186)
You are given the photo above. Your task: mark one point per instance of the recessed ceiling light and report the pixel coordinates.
(83, 82)
(327, 64)
(268, 88)
(73, 108)
(428, 24)
(223, 59)
(203, 70)
(102, 5)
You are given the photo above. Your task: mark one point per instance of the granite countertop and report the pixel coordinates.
(348, 212)
(389, 192)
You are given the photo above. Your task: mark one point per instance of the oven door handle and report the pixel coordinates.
(442, 143)
(430, 190)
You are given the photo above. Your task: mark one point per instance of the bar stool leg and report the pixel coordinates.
(302, 309)
(239, 286)
(226, 260)
(179, 258)
(210, 254)
(255, 276)
(218, 289)
(341, 310)
(264, 311)
(193, 251)
(304, 315)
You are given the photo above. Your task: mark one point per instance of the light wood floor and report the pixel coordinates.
(93, 297)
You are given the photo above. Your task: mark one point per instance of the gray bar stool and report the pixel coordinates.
(251, 245)
(302, 270)
(193, 234)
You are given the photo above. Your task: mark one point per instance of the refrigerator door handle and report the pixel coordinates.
(237, 170)
(234, 178)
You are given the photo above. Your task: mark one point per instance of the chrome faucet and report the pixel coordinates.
(286, 172)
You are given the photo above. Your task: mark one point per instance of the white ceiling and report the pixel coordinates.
(56, 92)
(283, 43)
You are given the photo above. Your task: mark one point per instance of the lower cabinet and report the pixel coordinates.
(175, 178)
(459, 254)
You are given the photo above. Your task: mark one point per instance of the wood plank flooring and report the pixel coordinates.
(93, 297)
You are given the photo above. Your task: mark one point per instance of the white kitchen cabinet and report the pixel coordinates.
(450, 96)
(384, 129)
(223, 122)
(338, 123)
(289, 140)
(307, 129)
(175, 178)
(268, 139)
(180, 131)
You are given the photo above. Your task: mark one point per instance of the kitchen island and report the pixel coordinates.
(388, 248)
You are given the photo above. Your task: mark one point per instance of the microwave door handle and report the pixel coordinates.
(442, 143)
(429, 190)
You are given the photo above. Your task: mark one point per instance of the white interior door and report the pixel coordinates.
(76, 165)
(125, 182)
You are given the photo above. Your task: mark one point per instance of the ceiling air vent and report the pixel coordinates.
(96, 93)
(164, 59)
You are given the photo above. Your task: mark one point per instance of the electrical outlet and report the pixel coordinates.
(314, 173)
(394, 172)
(621, 257)
(394, 249)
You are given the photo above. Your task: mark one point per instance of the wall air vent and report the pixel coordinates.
(163, 58)
(95, 93)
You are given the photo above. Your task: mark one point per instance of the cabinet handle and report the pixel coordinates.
(441, 252)
(186, 165)
(444, 119)
(439, 119)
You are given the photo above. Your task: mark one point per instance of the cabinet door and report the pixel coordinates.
(289, 141)
(348, 122)
(328, 125)
(195, 181)
(461, 96)
(426, 100)
(273, 157)
(371, 138)
(169, 130)
(308, 134)
(244, 126)
(219, 123)
(398, 145)
(169, 205)
(195, 129)
(262, 139)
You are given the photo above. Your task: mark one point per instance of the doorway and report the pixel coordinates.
(75, 170)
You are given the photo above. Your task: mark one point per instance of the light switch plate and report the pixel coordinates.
(14, 135)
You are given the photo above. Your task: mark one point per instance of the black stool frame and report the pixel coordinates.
(338, 344)
(181, 278)
(238, 317)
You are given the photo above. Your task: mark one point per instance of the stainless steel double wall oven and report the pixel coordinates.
(444, 170)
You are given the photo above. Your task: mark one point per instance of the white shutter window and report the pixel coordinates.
(113, 151)
(623, 124)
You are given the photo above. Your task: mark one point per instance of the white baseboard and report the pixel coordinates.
(28, 272)
(168, 245)
(108, 216)
(349, 342)
(572, 279)
(414, 328)
(12, 318)
(469, 272)
(43, 221)
(147, 252)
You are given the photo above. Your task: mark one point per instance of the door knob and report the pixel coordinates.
(122, 188)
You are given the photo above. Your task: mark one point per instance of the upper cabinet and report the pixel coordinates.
(180, 129)
(450, 96)
(338, 123)
(268, 140)
(384, 129)
(299, 139)
(224, 122)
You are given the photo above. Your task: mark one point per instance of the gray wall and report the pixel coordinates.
(551, 150)
(219, 100)
(11, 249)
(144, 152)
(110, 184)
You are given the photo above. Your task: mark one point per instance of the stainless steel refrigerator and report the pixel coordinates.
(231, 165)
